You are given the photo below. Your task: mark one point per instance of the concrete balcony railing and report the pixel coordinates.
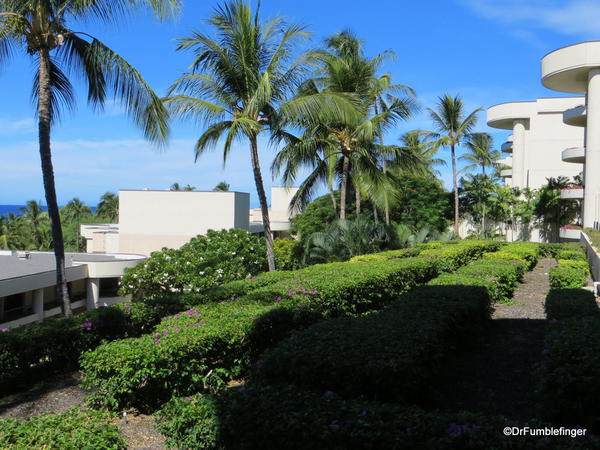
(570, 232)
(576, 117)
(574, 155)
(574, 193)
(506, 173)
(507, 147)
(505, 162)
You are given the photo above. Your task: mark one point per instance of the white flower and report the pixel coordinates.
(200, 273)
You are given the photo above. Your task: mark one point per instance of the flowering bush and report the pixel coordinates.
(204, 262)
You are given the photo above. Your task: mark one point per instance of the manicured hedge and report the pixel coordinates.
(566, 303)
(391, 254)
(74, 430)
(283, 417)
(571, 255)
(395, 354)
(569, 385)
(26, 353)
(520, 251)
(569, 274)
(451, 257)
(498, 277)
(551, 250)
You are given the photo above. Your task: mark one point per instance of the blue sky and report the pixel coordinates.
(488, 51)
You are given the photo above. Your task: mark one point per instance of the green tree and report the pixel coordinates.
(476, 193)
(223, 186)
(40, 28)
(452, 127)
(73, 212)
(480, 152)
(240, 84)
(34, 214)
(108, 207)
(551, 211)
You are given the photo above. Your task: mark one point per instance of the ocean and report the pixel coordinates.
(15, 209)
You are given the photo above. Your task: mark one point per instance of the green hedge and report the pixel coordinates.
(566, 303)
(569, 274)
(519, 251)
(552, 249)
(498, 277)
(571, 255)
(391, 254)
(451, 257)
(27, 353)
(74, 430)
(569, 386)
(283, 417)
(394, 354)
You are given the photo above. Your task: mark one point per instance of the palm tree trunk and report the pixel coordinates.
(44, 115)
(332, 195)
(264, 207)
(375, 215)
(454, 180)
(386, 204)
(344, 186)
(357, 197)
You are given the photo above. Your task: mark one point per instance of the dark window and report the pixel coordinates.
(14, 307)
(109, 287)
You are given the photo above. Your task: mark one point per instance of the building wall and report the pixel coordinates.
(151, 220)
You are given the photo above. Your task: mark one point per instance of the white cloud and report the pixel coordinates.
(570, 17)
(20, 126)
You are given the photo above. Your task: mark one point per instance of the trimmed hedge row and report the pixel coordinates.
(569, 386)
(137, 373)
(394, 354)
(451, 257)
(282, 416)
(566, 303)
(74, 430)
(550, 250)
(519, 251)
(569, 274)
(26, 353)
(391, 254)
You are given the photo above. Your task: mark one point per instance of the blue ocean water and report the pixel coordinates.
(15, 209)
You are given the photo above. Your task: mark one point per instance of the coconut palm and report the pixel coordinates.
(73, 212)
(34, 214)
(452, 127)
(40, 28)
(239, 86)
(480, 152)
(109, 206)
(223, 186)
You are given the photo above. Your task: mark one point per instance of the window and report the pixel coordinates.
(109, 287)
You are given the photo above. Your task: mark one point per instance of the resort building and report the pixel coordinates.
(575, 69)
(152, 220)
(540, 144)
(28, 283)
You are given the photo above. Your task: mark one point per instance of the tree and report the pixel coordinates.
(73, 212)
(223, 186)
(40, 28)
(553, 212)
(33, 213)
(480, 152)
(175, 187)
(108, 206)
(452, 127)
(240, 85)
(189, 188)
(477, 191)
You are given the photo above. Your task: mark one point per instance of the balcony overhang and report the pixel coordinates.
(566, 69)
(507, 147)
(504, 115)
(505, 162)
(506, 173)
(574, 155)
(576, 117)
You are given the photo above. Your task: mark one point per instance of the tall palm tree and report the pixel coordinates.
(109, 206)
(34, 214)
(426, 149)
(452, 128)
(240, 83)
(40, 27)
(74, 212)
(480, 152)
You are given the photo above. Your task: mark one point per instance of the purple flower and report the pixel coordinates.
(4, 330)
(87, 325)
(166, 333)
(127, 307)
(278, 298)
(188, 399)
(177, 330)
(197, 315)
(313, 292)
(156, 340)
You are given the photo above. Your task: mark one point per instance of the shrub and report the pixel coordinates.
(287, 253)
(569, 385)
(566, 303)
(282, 416)
(571, 255)
(520, 251)
(569, 274)
(204, 262)
(550, 250)
(394, 354)
(450, 257)
(74, 430)
(498, 277)
(385, 256)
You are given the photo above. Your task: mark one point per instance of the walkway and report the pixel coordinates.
(497, 374)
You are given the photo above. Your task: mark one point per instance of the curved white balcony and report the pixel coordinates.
(505, 162)
(576, 117)
(503, 115)
(570, 234)
(574, 155)
(506, 173)
(566, 69)
(571, 194)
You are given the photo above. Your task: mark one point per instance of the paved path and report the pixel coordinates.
(497, 374)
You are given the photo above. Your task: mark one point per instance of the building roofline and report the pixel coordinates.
(179, 192)
(570, 45)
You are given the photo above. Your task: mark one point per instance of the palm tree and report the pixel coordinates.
(74, 212)
(108, 206)
(239, 86)
(33, 213)
(189, 188)
(452, 128)
(223, 186)
(40, 28)
(175, 187)
(480, 152)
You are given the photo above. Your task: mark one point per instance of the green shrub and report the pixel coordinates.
(74, 430)
(498, 277)
(569, 274)
(569, 385)
(204, 262)
(394, 354)
(566, 303)
(571, 255)
(550, 250)
(282, 416)
(385, 256)
(519, 251)
(287, 253)
(451, 257)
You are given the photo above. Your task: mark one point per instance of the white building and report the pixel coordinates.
(151, 220)
(28, 283)
(538, 138)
